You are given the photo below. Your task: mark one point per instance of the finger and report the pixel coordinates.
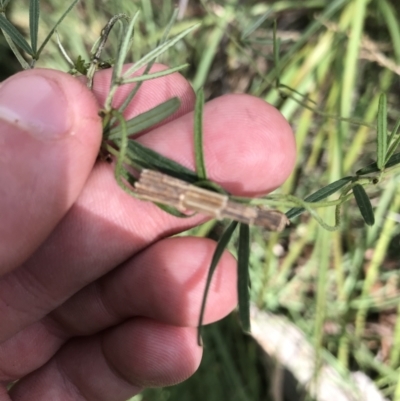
(115, 365)
(151, 94)
(106, 226)
(164, 282)
(50, 135)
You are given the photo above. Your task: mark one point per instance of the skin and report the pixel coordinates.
(96, 302)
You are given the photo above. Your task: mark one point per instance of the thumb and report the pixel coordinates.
(50, 134)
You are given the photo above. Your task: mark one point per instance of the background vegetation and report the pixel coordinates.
(341, 289)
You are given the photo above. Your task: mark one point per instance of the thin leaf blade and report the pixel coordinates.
(393, 143)
(364, 204)
(243, 276)
(34, 12)
(373, 167)
(148, 158)
(319, 195)
(15, 35)
(147, 119)
(221, 245)
(198, 135)
(66, 12)
(381, 148)
(124, 47)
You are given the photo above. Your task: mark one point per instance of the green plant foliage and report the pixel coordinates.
(34, 12)
(319, 195)
(14, 34)
(243, 276)
(364, 204)
(219, 250)
(198, 135)
(315, 80)
(381, 148)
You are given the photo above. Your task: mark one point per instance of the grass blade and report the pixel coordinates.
(222, 244)
(147, 119)
(243, 276)
(249, 30)
(34, 12)
(381, 148)
(198, 135)
(67, 11)
(320, 195)
(14, 34)
(390, 14)
(364, 204)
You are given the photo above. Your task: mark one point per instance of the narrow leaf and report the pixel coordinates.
(123, 48)
(148, 158)
(364, 204)
(14, 34)
(147, 119)
(152, 55)
(198, 135)
(134, 91)
(243, 276)
(67, 11)
(222, 244)
(319, 195)
(34, 11)
(249, 30)
(393, 143)
(373, 167)
(276, 51)
(153, 75)
(381, 148)
(16, 51)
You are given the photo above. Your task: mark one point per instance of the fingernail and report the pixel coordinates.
(36, 105)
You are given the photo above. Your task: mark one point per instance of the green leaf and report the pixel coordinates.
(373, 167)
(381, 147)
(320, 195)
(134, 91)
(148, 158)
(147, 119)
(152, 55)
(123, 48)
(81, 65)
(198, 135)
(153, 75)
(14, 34)
(67, 11)
(364, 204)
(16, 51)
(243, 276)
(276, 52)
(34, 12)
(219, 250)
(250, 29)
(393, 144)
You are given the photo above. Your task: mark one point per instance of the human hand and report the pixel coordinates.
(96, 302)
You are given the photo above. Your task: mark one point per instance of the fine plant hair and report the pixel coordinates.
(134, 162)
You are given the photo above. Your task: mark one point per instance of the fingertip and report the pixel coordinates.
(249, 146)
(50, 133)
